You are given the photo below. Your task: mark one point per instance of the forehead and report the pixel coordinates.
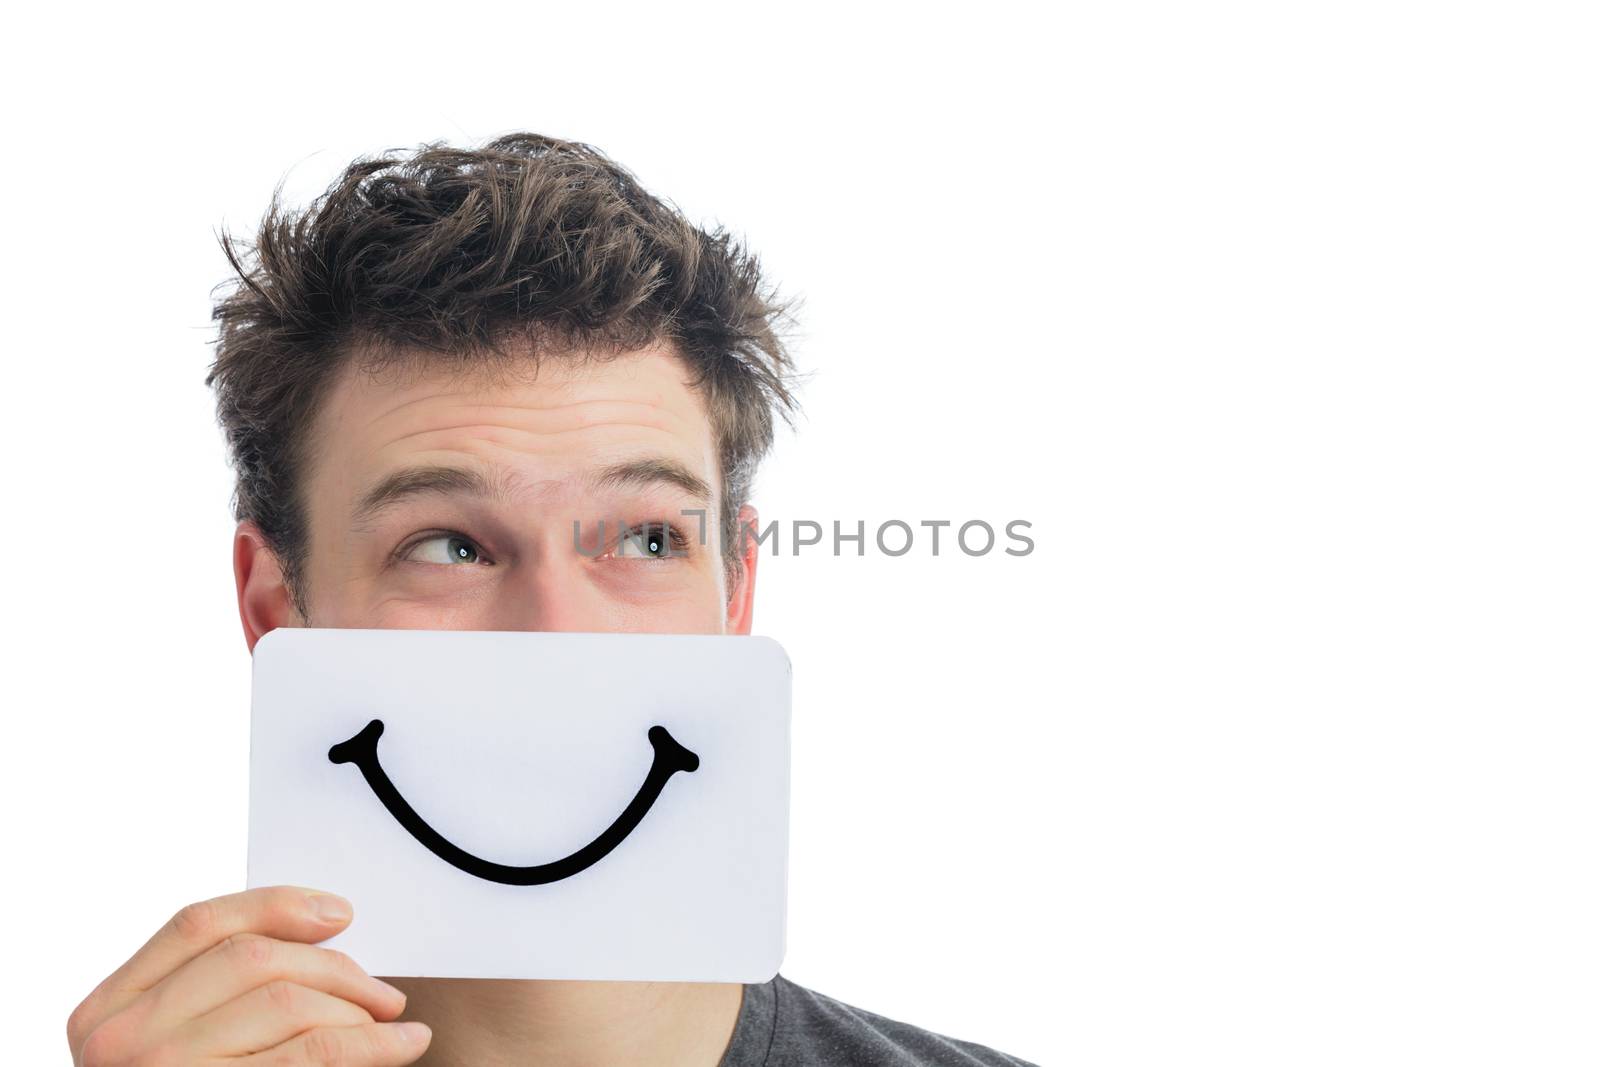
(540, 422)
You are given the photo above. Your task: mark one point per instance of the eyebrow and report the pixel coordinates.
(653, 470)
(467, 481)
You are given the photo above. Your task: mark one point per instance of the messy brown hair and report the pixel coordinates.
(479, 257)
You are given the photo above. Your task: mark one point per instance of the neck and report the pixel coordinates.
(497, 1023)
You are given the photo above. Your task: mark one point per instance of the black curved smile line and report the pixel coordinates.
(670, 757)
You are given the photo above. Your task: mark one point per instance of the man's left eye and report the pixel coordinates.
(653, 540)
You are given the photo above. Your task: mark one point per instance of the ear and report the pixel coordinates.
(264, 601)
(742, 597)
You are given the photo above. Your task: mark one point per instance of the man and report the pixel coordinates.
(482, 390)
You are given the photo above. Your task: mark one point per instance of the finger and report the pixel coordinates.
(247, 961)
(268, 1015)
(367, 1045)
(291, 913)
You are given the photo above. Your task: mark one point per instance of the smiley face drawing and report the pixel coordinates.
(670, 757)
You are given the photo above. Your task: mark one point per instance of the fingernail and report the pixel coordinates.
(330, 908)
(397, 991)
(412, 1032)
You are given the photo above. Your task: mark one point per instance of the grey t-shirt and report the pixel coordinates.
(785, 1025)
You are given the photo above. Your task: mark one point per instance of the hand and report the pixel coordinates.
(238, 980)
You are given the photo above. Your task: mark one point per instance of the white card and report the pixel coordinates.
(534, 805)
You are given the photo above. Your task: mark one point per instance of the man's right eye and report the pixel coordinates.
(444, 548)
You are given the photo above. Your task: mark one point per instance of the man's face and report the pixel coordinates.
(447, 502)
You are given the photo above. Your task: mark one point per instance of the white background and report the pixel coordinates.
(1278, 321)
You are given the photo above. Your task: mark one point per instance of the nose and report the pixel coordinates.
(553, 594)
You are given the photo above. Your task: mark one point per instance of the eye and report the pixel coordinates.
(444, 548)
(653, 540)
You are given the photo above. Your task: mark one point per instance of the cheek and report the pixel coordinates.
(661, 598)
(702, 616)
(407, 613)
(609, 596)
